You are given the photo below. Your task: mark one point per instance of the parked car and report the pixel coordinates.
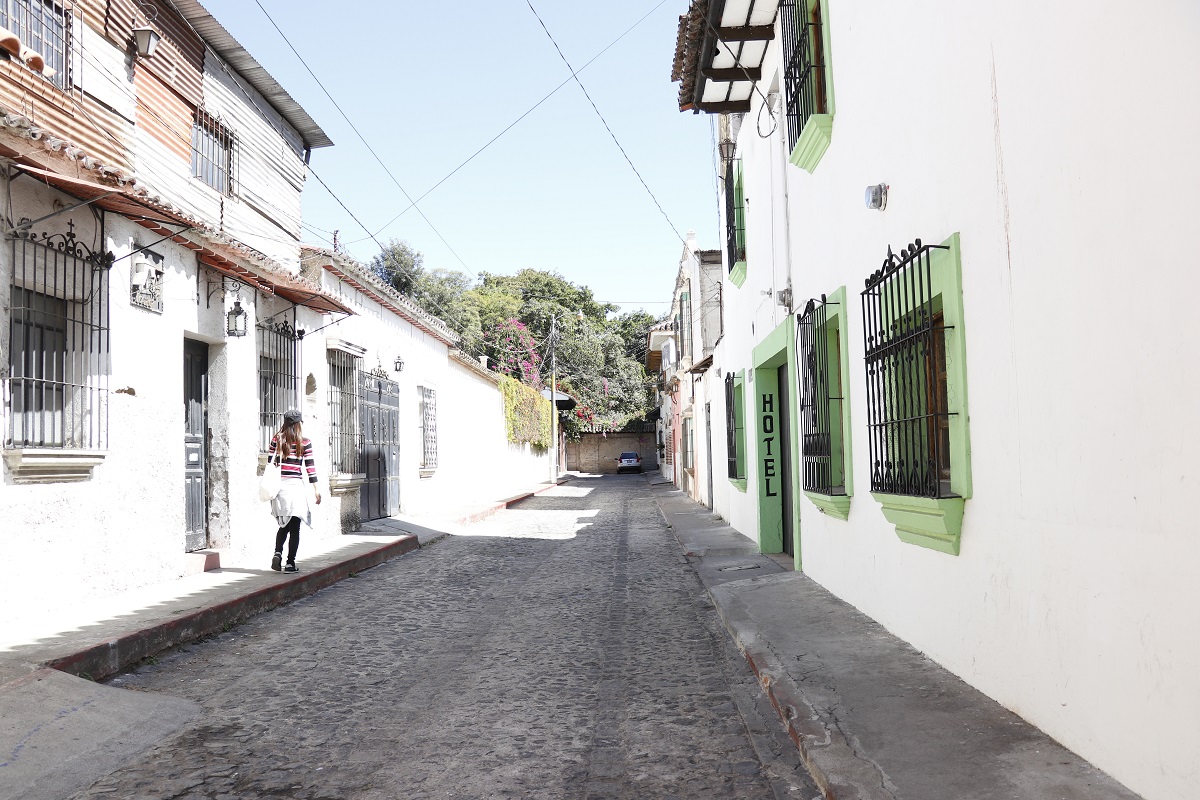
(629, 461)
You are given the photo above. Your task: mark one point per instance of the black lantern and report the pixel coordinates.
(145, 41)
(235, 320)
(399, 365)
(728, 148)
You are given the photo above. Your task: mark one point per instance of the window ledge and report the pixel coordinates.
(38, 465)
(833, 505)
(427, 473)
(930, 522)
(813, 142)
(343, 482)
(737, 276)
(739, 484)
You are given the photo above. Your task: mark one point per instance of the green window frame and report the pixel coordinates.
(926, 407)
(737, 274)
(828, 476)
(735, 425)
(807, 80)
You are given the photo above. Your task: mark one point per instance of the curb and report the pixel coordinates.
(106, 659)
(479, 516)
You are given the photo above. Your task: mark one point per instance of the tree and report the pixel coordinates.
(400, 265)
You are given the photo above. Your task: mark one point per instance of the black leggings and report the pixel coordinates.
(292, 527)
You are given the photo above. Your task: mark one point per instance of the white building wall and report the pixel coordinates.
(1071, 600)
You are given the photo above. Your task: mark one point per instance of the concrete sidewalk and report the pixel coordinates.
(60, 730)
(872, 717)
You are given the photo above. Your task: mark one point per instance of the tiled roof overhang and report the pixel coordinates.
(167, 223)
(225, 46)
(357, 277)
(719, 53)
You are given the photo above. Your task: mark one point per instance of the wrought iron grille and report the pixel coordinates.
(44, 27)
(56, 395)
(908, 418)
(212, 152)
(278, 371)
(804, 73)
(429, 428)
(820, 403)
(731, 426)
(735, 214)
(345, 434)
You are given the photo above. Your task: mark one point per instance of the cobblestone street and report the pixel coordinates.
(565, 648)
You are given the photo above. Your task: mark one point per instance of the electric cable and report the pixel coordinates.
(363, 139)
(514, 123)
(616, 141)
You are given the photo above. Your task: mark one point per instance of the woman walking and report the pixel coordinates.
(290, 506)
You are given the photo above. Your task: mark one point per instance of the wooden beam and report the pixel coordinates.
(747, 33)
(733, 73)
(726, 107)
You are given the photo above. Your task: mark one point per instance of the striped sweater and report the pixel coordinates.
(291, 466)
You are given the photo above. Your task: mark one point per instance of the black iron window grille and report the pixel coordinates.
(429, 455)
(45, 28)
(685, 324)
(735, 214)
(56, 395)
(805, 91)
(821, 401)
(212, 152)
(278, 371)
(907, 412)
(345, 435)
(732, 427)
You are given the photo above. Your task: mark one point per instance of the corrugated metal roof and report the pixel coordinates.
(225, 46)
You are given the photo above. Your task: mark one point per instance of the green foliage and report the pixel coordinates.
(517, 321)
(526, 413)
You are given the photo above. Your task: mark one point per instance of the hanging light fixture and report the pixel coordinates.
(235, 320)
(145, 41)
(728, 148)
(399, 365)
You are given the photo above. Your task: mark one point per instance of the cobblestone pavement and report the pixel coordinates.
(564, 649)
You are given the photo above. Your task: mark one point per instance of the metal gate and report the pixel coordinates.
(380, 453)
(195, 462)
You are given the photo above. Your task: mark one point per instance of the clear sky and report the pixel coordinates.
(429, 83)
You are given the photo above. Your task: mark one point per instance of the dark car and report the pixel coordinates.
(629, 461)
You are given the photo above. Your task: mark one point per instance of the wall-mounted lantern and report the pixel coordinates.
(399, 365)
(145, 41)
(235, 320)
(728, 148)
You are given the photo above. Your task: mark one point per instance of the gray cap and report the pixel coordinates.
(292, 417)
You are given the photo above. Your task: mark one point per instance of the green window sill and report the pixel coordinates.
(833, 505)
(930, 522)
(813, 142)
(739, 484)
(737, 275)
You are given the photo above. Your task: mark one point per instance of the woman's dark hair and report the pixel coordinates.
(291, 437)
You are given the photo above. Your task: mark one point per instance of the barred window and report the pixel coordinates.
(429, 455)
(735, 428)
(212, 152)
(908, 414)
(345, 436)
(805, 88)
(278, 368)
(45, 28)
(822, 439)
(56, 395)
(685, 324)
(735, 214)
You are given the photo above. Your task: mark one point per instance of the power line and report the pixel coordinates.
(513, 124)
(367, 144)
(616, 141)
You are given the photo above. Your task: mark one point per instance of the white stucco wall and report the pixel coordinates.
(1072, 601)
